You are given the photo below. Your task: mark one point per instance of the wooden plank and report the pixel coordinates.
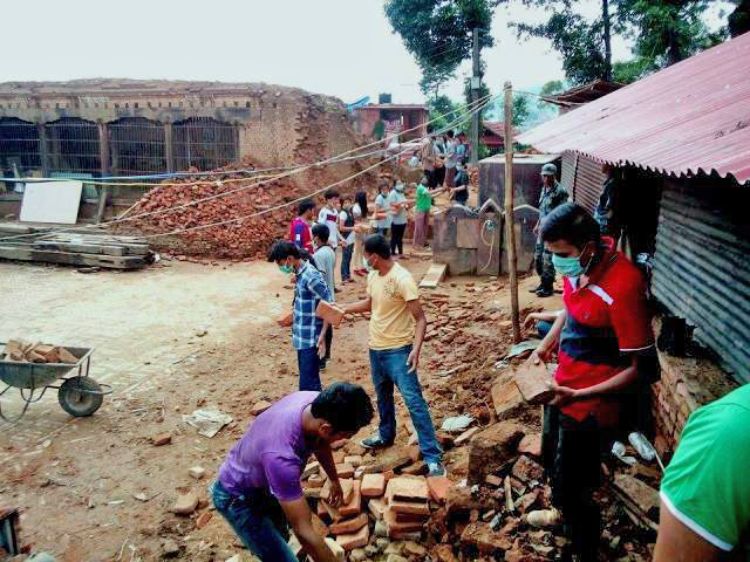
(434, 276)
(80, 248)
(69, 258)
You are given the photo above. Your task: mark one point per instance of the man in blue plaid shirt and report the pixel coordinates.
(308, 331)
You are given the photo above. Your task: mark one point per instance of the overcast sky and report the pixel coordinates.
(343, 48)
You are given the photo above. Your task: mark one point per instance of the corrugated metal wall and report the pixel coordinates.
(583, 178)
(701, 268)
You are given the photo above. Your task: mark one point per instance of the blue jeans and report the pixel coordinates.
(389, 368)
(346, 261)
(309, 369)
(258, 520)
(543, 327)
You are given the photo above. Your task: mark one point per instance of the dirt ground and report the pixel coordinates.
(171, 339)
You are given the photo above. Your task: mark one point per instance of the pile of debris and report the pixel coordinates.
(18, 351)
(240, 238)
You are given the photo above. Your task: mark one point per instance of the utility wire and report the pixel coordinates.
(122, 218)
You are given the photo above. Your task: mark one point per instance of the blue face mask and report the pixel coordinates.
(569, 267)
(367, 264)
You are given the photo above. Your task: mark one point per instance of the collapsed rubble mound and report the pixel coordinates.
(317, 139)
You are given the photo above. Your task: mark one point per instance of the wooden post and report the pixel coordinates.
(510, 231)
(104, 167)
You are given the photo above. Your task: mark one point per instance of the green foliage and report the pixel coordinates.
(663, 32)
(378, 130)
(580, 42)
(629, 71)
(552, 87)
(667, 31)
(439, 34)
(440, 111)
(521, 110)
(739, 20)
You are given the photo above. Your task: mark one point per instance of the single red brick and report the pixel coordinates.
(439, 486)
(373, 485)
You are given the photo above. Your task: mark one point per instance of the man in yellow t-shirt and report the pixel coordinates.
(397, 328)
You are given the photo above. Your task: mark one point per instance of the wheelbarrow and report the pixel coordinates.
(78, 394)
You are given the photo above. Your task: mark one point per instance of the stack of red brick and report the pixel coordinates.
(377, 502)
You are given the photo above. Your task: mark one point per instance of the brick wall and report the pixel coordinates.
(686, 384)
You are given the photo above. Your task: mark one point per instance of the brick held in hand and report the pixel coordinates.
(330, 313)
(285, 320)
(533, 381)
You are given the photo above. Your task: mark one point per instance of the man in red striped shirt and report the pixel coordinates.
(605, 338)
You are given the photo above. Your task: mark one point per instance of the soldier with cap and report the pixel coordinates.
(553, 195)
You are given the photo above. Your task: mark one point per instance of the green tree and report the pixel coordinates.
(521, 109)
(739, 20)
(584, 45)
(667, 31)
(439, 34)
(442, 111)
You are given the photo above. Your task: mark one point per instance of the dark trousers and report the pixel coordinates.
(431, 178)
(346, 261)
(329, 343)
(397, 238)
(571, 455)
(439, 176)
(544, 267)
(309, 369)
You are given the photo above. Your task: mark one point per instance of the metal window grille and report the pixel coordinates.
(73, 146)
(19, 144)
(136, 146)
(204, 143)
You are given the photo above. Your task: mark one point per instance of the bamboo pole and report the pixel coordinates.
(510, 231)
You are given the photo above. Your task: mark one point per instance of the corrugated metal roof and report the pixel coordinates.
(693, 116)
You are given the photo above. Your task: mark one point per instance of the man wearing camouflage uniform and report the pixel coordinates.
(552, 196)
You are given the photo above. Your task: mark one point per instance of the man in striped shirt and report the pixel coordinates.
(308, 331)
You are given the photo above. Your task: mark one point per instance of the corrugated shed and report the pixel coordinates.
(583, 178)
(693, 116)
(701, 267)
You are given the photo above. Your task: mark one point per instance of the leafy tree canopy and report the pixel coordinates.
(439, 33)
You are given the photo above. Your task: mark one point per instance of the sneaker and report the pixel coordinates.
(543, 293)
(536, 289)
(435, 469)
(374, 442)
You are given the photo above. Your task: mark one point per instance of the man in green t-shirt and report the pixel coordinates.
(705, 492)
(422, 211)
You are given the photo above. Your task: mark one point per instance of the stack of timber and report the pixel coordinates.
(78, 247)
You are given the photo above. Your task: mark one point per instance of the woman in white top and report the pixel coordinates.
(382, 210)
(361, 214)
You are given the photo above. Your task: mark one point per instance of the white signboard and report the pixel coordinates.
(51, 201)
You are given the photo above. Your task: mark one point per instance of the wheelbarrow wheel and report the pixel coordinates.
(80, 396)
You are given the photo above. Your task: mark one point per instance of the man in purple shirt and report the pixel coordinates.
(258, 490)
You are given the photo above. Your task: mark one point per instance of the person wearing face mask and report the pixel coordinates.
(397, 328)
(258, 488)
(308, 331)
(399, 217)
(604, 341)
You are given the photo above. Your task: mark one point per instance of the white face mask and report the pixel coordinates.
(399, 187)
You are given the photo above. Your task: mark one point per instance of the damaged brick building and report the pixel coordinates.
(128, 127)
